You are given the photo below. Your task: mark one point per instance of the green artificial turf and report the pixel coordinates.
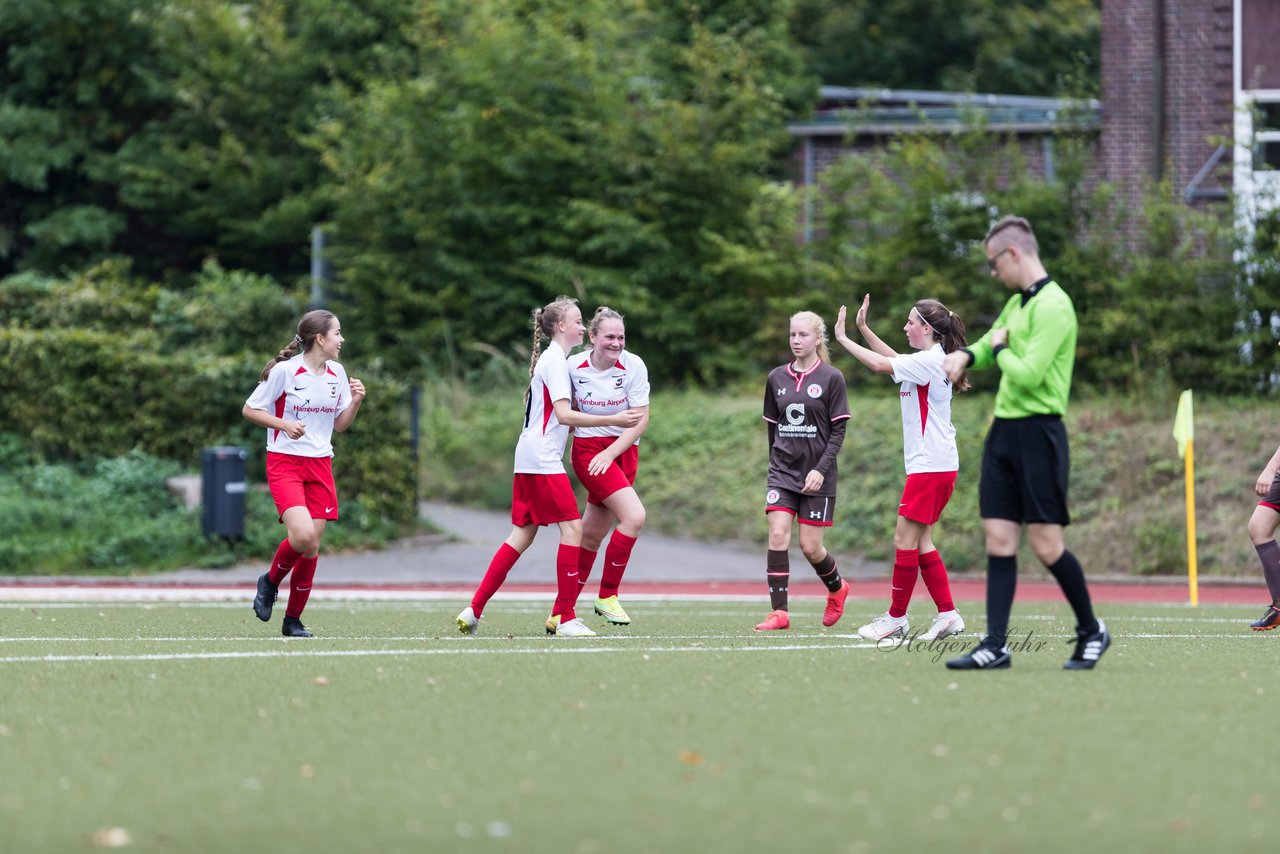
(196, 728)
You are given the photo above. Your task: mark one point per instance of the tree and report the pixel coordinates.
(168, 132)
(544, 150)
(1042, 47)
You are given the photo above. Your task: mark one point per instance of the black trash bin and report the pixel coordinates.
(222, 491)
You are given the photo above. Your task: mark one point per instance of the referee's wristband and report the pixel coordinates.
(995, 351)
(969, 353)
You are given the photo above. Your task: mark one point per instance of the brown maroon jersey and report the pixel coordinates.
(803, 407)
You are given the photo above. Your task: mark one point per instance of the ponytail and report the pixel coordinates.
(948, 329)
(313, 323)
(536, 350)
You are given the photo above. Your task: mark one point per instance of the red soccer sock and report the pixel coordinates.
(503, 559)
(906, 566)
(586, 560)
(935, 578)
(616, 556)
(566, 583)
(285, 559)
(300, 588)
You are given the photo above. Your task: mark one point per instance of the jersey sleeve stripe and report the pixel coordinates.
(922, 397)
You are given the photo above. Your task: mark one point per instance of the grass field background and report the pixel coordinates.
(196, 728)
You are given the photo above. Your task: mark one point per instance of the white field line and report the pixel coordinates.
(348, 653)
(467, 646)
(503, 639)
(32, 594)
(51, 594)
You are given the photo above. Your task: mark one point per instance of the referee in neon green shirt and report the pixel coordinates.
(1026, 460)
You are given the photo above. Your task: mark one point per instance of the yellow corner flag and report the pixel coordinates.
(1184, 432)
(1184, 429)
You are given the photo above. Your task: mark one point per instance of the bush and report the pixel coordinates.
(102, 366)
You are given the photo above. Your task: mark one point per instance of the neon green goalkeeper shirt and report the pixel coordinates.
(1036, 365)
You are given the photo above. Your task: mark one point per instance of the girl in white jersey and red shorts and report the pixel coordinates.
(540, 491)
(608, 379)
(303, 396)
(929, 451)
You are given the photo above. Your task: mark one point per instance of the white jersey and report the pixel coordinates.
(293, 393)
(622, 386)
(542, 440)
(928, 437)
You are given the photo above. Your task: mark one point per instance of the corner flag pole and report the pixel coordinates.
(1184, 433)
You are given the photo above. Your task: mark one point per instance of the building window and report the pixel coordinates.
(1266, 136)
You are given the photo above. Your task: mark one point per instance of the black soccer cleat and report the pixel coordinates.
(267, 593)
(1269, 620)
(1089, 648)
(983, 657)
(293, 628)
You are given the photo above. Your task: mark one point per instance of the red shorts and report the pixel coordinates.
(619, 475)
(925, 495)
(542, 499)
(302, 482)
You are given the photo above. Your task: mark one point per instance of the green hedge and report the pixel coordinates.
(100, 365)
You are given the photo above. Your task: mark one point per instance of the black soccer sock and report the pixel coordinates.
(778, 572)
(1002, 582)
(1269, 554)
(826, 569)
(1071, 579)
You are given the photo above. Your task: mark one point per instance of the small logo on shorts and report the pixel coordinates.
(772, 496)
(328, 509)
(814, 390)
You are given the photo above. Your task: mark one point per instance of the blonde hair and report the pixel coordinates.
(545, 320)
(603, 313)
(819, 326)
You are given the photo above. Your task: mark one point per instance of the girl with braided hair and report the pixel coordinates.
(929, 449)
(540, 491)
(303, 396)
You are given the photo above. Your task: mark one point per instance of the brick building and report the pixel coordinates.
(848, 121)
(1190, 94)
(1184, 84)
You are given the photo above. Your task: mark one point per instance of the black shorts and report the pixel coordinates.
(1025, 469)
(1272, 498)
(816, 510)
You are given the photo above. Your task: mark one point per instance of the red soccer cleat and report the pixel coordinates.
(835, 605)
(775, 621)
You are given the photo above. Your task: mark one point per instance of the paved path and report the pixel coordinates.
(451, 564)
(472, 536)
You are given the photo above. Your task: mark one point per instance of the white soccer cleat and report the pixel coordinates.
(946, 624)
(574, 628)
(468, 622)
(885, 626)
